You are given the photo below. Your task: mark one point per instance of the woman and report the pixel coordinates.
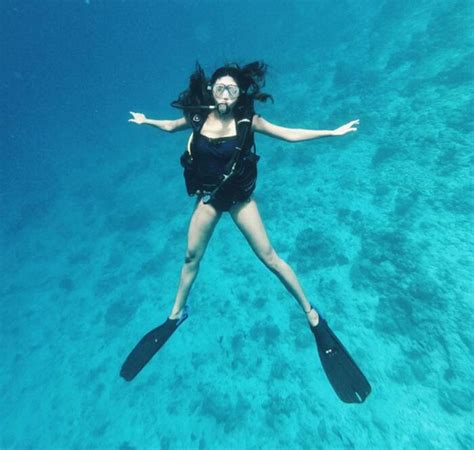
(230, 92)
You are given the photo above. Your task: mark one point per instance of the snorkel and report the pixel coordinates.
(222, 108)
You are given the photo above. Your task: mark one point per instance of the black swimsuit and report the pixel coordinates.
(211, 156)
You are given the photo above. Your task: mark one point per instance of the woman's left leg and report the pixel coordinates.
(247, 217)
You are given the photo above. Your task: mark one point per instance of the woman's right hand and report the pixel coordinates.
(138, 118)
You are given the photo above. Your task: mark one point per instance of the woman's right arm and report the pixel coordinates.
(165, 125)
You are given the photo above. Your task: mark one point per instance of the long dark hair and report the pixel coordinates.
(250, 79)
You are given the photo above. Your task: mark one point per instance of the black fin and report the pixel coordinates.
(148, 346)
(347, 380)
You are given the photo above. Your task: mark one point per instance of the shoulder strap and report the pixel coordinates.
(197, 121)
(244, 128)
(244, 132)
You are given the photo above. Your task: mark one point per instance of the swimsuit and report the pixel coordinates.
(211, 157)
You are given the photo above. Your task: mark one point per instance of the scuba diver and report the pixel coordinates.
(220, 169)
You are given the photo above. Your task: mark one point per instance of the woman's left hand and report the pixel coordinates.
(347, 128)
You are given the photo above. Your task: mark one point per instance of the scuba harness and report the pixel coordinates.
(241, 169)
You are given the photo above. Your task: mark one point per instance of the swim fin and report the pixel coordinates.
(346, 378)
(149, 345)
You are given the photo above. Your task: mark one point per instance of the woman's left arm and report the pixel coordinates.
(261, 125)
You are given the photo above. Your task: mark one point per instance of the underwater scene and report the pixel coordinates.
(376, 224)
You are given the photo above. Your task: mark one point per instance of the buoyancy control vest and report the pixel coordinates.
(240, 174)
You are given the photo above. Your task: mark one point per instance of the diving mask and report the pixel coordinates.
(219, 89)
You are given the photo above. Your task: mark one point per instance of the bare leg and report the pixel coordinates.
(247, 218)
(202, 224)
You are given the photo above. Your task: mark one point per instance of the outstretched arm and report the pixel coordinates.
(165, 125)
(261, 125)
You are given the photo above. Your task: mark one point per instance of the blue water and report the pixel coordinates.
(377, 225)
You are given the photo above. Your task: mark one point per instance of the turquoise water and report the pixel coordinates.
(377, 225)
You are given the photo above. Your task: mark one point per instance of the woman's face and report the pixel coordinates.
(225, 90)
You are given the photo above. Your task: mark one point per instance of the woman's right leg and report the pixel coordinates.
(203, 222)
